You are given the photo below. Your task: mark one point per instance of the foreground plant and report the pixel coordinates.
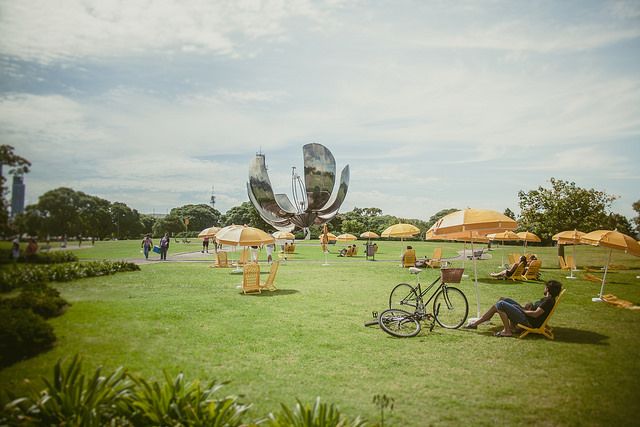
(316, 415)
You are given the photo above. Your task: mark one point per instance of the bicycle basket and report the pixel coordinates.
(451, 275)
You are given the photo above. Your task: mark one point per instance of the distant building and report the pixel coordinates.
(17, 195)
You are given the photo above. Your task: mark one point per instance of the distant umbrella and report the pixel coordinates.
(569, 237)
(209, 232)
(346, 237)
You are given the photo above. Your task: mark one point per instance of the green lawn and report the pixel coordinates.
(308, 339)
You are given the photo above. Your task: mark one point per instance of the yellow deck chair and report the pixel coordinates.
(269, 284)
(409, 258)
(563, 263)
(544, 329)
(517, 275)
(355, 250)
(571, 263)
(436, 258)
(251, 278)
(244, 257)
(533, 270)
(222, 261)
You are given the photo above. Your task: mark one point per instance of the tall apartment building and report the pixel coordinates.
(17, 195)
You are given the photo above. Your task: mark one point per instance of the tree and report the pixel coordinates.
(95, 216)
(636, 220)
(200, 216)
(147, 223)
(19, 165)
(169, 224)
(564, 206)
(59, 210)
(247, 214)
(620, 223)
(508, 212)
(125, 221)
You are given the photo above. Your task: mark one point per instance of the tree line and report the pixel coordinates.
(64, 211)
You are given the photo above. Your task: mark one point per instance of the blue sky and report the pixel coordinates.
(433, 104)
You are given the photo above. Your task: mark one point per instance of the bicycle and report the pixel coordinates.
(407, 308)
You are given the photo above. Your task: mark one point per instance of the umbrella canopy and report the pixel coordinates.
(401, 230)
(346, 237)
(481, 221)
(241, 235)
(568, 237)
(504, 236)
(209, 232)
(611, 239)
(369, 235)
(283, 235)
(528, 236)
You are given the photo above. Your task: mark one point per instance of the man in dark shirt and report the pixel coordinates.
(511, 313)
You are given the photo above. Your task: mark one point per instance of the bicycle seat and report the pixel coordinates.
(414, 270)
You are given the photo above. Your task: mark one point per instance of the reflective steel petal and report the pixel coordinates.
(319, 174)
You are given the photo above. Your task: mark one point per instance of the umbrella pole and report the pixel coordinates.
(604, 276)
(475, 274)
(464, 256)
(571, 276)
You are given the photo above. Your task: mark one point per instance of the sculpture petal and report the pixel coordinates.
(260, 185)
(331, 209)
(319, 175)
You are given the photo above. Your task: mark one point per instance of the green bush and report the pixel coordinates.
(54, 257)
(316, 415)
(40, 299)
(22, 334)
(23, 275)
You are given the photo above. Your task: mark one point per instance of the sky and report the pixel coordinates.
(432, 104)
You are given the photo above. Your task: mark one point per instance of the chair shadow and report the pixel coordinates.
(574, 336)
(278, 292)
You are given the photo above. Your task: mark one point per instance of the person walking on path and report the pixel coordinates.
(147, 245)
(15, 249)
(205, 245)
(164, 246)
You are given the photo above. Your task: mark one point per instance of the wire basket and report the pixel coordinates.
(451, 275)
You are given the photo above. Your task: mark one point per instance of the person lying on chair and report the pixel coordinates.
(509, 272)
(531, 314)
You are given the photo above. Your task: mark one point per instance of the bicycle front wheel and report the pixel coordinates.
(450, 308)
(403, 297)
(399, 323)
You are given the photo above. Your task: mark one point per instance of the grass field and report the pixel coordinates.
(308, 338)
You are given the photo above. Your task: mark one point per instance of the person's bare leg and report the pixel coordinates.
(488, 315)
(506, 328)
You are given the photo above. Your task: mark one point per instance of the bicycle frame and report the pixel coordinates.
(421, 304)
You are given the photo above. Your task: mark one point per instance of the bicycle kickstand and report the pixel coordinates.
(433, 318)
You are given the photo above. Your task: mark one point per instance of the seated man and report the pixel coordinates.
(509, 272)
(511, 313)
(408, 258)
(343, 252)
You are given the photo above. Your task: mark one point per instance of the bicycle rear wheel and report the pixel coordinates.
(450, 307)
(399, 323)
(403, 297)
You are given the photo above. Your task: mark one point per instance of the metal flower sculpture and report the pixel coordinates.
(314, 201)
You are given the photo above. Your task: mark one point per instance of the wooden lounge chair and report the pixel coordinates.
(222, 261)
(355, 250)
(571, 263)
(349, 251)
(436, 258)
(269, 284)
(289, 248)
(251, 278)
(517, 274)
(544, 329)
(533, 271)
(563, 263)
(409, 258)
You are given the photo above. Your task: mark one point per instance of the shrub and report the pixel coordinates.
(70, 398)
(22, 275)
(316, 415)
(54, 257)
(22, 334)
(40, 299)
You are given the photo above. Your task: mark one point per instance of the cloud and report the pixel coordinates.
(45, 31)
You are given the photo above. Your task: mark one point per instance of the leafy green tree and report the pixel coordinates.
(59, 210)
(564, 206)
(620, 223)
(147, 223)
(636, 220)
(95, 216)
(247, 214)
(200, 216)
(126, 221)
(508, 212)
(19, 165)
(169, 224)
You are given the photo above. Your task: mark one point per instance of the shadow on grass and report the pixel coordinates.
(578, 336)
(277, 293)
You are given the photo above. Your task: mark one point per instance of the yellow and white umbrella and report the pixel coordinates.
(401, 230)
(346, 237)
(283, 235)
(209, 232)
(240, 235)
(527, 237)
(611, 239)
(505, 236)
(369, 235)
(473, 222)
